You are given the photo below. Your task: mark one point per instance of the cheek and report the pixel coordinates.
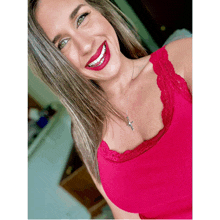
(105, 27)
(73, 58)
(71, 52)
(112, 34)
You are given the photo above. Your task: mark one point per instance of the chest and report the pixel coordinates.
(167, 168)
(144, 111)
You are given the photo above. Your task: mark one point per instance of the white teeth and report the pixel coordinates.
(99, 58)
(101, 61)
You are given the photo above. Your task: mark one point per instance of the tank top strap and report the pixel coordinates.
(166, 73)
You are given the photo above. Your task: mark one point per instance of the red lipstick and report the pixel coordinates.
(100, 59)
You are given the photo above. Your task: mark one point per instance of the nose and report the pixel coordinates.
(84, 43)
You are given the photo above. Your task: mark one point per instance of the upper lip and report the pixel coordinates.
(96, 55)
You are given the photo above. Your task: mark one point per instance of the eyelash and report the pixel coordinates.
(79, 22)
(80, 17)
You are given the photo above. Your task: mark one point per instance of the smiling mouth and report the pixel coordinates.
(100, 59)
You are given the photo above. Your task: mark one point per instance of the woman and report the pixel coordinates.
(131, 113)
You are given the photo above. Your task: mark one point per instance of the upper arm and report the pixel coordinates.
(180, 55)
(117, 212)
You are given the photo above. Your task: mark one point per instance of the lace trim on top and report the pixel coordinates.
(167, 81)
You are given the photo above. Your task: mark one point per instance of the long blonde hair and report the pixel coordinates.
(84, 100)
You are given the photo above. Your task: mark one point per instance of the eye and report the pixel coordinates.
(81, 19)
(62, 44)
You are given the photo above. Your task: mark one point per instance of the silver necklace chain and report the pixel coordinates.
(129, 123)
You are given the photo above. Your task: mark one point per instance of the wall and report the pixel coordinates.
(39, 91)
(143, 32)
(46, 164)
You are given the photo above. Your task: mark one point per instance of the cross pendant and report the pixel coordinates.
(130, 123)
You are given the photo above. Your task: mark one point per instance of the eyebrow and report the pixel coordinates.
(75, 11)
(71, 17)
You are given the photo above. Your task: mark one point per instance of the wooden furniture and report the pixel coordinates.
(77, 181)
(32, 103)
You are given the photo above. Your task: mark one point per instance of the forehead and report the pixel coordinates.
(46, 7)
(52, 14)
(57, 4)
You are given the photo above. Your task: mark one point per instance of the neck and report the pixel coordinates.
(120, 83)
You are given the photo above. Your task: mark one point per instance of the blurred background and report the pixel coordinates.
(59, 186)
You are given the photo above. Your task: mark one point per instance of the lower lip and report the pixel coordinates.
(106, 58)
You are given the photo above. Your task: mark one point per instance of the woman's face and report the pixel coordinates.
(83, 35)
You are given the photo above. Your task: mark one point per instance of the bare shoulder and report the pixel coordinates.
(180, 55)
(180, 51)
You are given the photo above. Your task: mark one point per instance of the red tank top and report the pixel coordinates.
(155, 178)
